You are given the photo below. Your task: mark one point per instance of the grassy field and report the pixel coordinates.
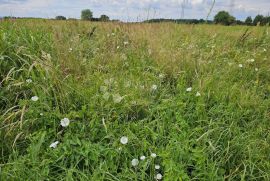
(193, 99)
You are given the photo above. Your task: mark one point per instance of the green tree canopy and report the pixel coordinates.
(86, 14)
(258, 19)
(60, 18)
(248, 21)
(223, 17)
(104, 18)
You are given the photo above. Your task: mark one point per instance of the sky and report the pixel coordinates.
(133, 10)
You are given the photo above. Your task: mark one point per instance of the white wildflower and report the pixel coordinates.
(158, 176)
(154, 87)
(157, 167)
(143, 157)
(41, 114)
(126, 43)
(189, 89)
(135, 162)
(240, 65)
(65, 122)
(117, 47)
(250, 60)
(256, 69)
(161, 76)
(124, 140)
(106, 96)
(34, 98)
(153, 155)
(198, 94)
(70, 49)
(54, 144)
(29, 81)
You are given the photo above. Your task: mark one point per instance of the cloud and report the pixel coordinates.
(131, 10)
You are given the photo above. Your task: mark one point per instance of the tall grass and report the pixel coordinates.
(113, 80)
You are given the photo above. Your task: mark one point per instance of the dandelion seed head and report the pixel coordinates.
(65, 122)
(34, 98)
(189, 89)
(124, 140)
(153, 155)
(157, 167)
(135, 162)
(143, 157)
(29, 81)
(158, 176)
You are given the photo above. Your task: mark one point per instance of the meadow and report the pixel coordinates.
(114, 101)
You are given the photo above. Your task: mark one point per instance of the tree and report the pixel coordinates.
(104, 18)
(60, 18)
(248, 21)
(258, 20)
(223, 17)
(86, 14)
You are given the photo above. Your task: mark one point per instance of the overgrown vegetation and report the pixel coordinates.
(197, 96)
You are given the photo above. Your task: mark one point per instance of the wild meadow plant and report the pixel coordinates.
(133, 101)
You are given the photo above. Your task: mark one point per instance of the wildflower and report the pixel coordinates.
(154, 87)
(126, 43)
(113, 34)
(161, 76)
(29, 81)
(198, 94)
(240, 65)
(70, 49)
(117, 98)
(143, 157)
(189, 89)
(65, 122)
(250, 60)
(41, 114)
(34, 98)
(124, 140)
(256, 69)
(158, 176)
(54, 144)
(153, 155)
(264, 50)
(135, 162)
(157, 167)
(106, 96)
(117, 47)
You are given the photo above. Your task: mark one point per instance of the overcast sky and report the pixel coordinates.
(132, 10)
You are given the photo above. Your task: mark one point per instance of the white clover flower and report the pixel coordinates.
(250, 60)
(189, 89)
(29, 81)
(124, 140)
(142, 157)
(65, 122)
(154, 87)
(117, 98)
(240, 65)
(153, 155)
(157, 167)
(135, 162)
(54, 144)
(158, 176)
(198, 94)
(256, 69)
(34, 98)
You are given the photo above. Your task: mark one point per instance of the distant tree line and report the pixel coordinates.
(87, 15)
(222, 17)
